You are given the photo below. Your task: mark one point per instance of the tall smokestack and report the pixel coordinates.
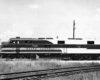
(73, 29)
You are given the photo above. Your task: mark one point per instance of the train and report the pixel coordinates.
(33, 48)
(27, 48)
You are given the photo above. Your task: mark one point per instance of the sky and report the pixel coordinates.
(49, 18)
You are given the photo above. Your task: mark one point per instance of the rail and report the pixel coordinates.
(38, 74)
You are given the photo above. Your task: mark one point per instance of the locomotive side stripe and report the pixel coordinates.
(8, 48)
(31, 48)
(7, 52)
(41, 52)
(31, 52)
(85, 51)
(12, 49)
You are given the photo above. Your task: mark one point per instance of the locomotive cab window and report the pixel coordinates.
(12, 42)
(17, 42)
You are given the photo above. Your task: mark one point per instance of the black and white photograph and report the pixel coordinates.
(49, 39)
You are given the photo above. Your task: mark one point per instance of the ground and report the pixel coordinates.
(26, 65)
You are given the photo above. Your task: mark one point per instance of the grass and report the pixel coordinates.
(28, 65)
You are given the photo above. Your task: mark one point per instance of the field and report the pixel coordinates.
(27, 65)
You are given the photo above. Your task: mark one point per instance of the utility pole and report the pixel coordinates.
(73, 29)
(74, 32)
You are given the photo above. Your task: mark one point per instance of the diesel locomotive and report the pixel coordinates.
(27, 48)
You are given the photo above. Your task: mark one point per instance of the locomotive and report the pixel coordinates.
(27, 48)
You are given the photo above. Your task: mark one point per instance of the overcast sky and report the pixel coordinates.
(49, 18)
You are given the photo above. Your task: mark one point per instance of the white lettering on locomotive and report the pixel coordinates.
(40, 48)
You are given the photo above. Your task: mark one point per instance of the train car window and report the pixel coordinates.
(28, 42)
(20, 42)
(17, 42)
(11, 41)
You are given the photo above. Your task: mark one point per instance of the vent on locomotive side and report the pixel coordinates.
(61, 42)
(90, 42)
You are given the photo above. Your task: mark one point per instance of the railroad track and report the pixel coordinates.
(38, 74)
